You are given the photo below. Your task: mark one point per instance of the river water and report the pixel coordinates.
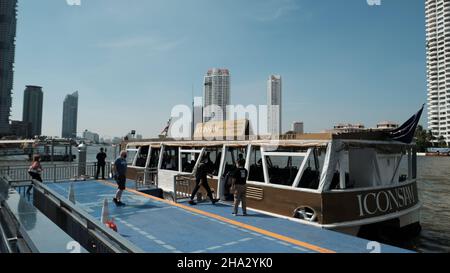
(434, 190)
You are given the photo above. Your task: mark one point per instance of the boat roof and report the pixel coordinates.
(295, 140)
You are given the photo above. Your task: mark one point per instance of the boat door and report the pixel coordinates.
(230, 156)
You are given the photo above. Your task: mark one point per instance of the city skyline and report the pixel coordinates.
(329, 77)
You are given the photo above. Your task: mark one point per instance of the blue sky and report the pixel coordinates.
(132, 61)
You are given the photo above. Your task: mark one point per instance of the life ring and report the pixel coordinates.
(305, 213)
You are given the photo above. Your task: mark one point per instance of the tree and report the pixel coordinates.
(423, 138)
(441, 142)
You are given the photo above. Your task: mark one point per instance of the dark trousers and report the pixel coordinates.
(34, 176)
(102, 168)
(204, 183)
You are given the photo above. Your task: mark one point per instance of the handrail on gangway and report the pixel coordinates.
(79, 225)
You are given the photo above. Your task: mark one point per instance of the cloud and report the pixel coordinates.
(277, 9)
(145, 42)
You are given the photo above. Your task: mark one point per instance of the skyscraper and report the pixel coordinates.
(216, 93)
(7, 49)
(274, 105)
(438, 66)
(32, 108)
(298, 127)
(70, 116)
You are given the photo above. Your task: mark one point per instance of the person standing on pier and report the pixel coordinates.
(101, 163)
(201, 179)
(239, 187)
(35, 171)
(120, 174)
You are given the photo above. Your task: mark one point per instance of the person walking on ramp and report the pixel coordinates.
(120, 175)
(35, 171)
(239, 187)
(101, 163)
(201, 179)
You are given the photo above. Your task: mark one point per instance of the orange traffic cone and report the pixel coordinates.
(109, 223)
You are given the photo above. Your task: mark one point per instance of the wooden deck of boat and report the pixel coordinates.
(160, 226)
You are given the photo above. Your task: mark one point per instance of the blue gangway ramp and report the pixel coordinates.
(161, 226)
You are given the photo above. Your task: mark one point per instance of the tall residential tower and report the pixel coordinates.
(70, 116)
(216, 93)
(32, 108)
(274, 105)
(438, 66)
(8, 22)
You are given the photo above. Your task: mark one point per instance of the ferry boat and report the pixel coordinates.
(349, 182)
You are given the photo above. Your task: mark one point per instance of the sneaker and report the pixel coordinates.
(234, 214)
(116, 201)
(120, 204)
(214, 201)
(245, 214)
(192, 203)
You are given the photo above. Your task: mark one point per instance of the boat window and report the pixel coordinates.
(233, 154)
(256, 172)
(154, 158)
(390, 169)
(131, 154)
(141, 158)
(215, 155)
(283, 169)
(313, 169)
(341, 167)
(188, 161)
(170, 159)
(365, 168)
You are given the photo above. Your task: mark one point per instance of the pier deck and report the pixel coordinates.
(160, 226)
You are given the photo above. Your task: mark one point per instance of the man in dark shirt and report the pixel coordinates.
(239, 187)
(201, 179)
(101, 163)
(120, 174)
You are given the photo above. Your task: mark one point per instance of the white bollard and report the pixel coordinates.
(72, 193)
(105, 212)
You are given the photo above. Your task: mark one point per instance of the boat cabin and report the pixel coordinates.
(339, 181)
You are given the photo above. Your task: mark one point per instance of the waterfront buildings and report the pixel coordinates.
(274, 105)
(91, 137)
(216, 94)
(70, 116)
(386, 125)
(21, 129)
(8, 20)
(438, 66)
(32, 108)
(298, 127)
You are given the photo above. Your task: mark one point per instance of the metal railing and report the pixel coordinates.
(184, 186)
(146, 179)
(78, 224)
(84, 229)
(54, 172)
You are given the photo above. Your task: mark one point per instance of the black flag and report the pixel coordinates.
(406, 132)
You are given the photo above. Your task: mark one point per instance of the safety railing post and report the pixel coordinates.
(54, 172)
